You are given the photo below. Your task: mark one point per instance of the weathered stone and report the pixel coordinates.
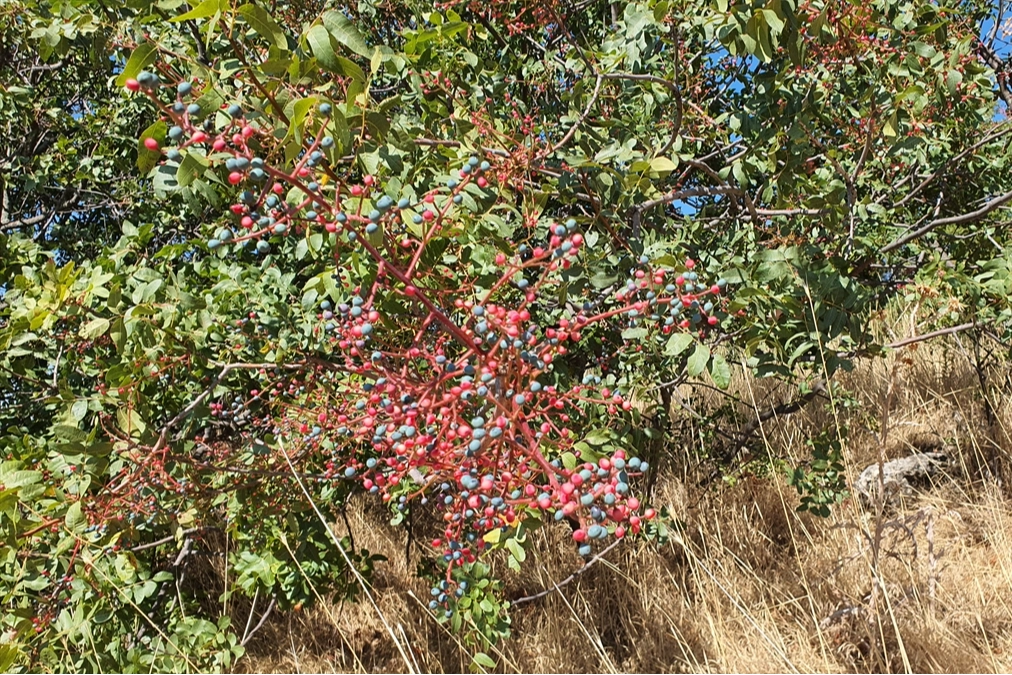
(901, 476)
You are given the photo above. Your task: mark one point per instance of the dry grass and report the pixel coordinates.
(749, 585)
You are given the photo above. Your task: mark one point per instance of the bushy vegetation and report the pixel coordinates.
(258, 259)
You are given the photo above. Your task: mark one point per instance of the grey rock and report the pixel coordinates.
(901, 477)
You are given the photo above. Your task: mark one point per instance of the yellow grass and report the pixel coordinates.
(749, 585)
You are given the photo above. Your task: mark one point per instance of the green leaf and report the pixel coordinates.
(349, 68)
(299, 112)
(483, 660)
(19, 478)
(662, 165)
(322, 46)
(637, 17)
(516, 550)
(192, 167)
(602, 280)
(141, 58)
(129, 421)
(890, 128)
(164, 180)
(698, 360)
(774, 21)
(94, 328)
(634, 333)
(261, 21)
(9, 656)
(79, 410)
(210, 101)
(147, 159)
(678, 343)
(201, 11)
(953, 80)
(75, 520)
(720, 371)
(345, 32)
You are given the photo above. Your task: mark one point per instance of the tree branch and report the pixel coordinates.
(950, 220)
(572, 577)
(25, 222)
(957, 158)
(927, 336)
(586, 111)
(263, 620)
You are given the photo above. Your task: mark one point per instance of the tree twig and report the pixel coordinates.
(263, 620)
(952, 160)
(987, 208)
(927, 336)
(568, 580)
(586, 111)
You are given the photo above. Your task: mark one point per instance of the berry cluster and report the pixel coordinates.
(454, 399)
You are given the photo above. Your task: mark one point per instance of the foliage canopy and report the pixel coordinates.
(258, 258)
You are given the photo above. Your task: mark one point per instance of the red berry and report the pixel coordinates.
(151, 144)
(133, 85)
